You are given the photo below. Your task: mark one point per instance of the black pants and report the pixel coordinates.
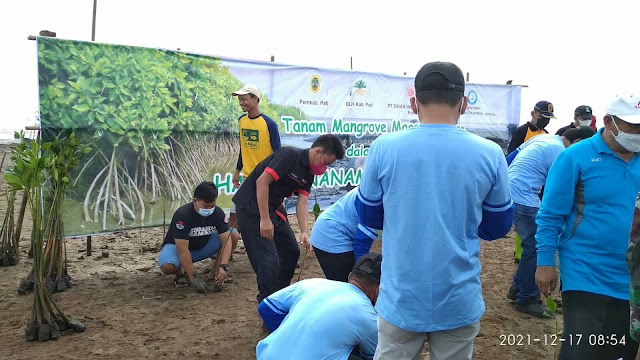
(335, 266)
(592, 323)
(273, 261)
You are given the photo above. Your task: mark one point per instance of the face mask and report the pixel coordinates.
(631, 142)
(318, 169)
(206, 212)
(584, 122)
(542, 122)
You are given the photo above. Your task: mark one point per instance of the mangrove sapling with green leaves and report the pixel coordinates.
(33, 165)
(64, 156)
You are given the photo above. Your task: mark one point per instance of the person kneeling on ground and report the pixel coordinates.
(338, 238)
(322, 319)
(194, 235)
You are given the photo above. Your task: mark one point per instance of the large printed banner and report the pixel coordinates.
(162, 121)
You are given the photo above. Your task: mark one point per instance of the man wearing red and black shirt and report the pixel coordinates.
(267, 235)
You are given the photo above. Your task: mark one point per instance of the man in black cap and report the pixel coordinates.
(581, 117)
(540, 115)
(322, 319)
(433, 221)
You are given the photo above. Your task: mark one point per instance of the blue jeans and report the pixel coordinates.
(524, 280)
(169, 253)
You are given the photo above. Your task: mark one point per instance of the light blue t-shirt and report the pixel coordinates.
(434, 186)
(337, 226)
(325, 320)
(528, 171)
(586, 215)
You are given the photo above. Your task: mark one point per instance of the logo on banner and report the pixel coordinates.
(472, 97)
(360, 88)
(411, 91)
(314, 83)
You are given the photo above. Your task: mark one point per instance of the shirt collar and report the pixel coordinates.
(305, 157)
(599, 144)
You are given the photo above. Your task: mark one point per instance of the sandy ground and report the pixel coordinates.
(133, 312)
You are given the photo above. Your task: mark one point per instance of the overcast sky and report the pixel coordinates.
(568, 52)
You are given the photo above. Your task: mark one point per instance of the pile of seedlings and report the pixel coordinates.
(42, 171)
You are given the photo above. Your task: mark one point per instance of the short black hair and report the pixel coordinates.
(330, 144)
(206, 191)
(581, 132)
(254, 97)
(450, 98)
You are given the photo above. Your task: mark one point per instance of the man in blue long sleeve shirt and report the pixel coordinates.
(527, 175)
(586, 215)
(443, 189)
(339, 239)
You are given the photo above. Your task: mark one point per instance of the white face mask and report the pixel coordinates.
(584, 122)
(631, 142)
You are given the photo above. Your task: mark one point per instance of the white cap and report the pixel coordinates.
(248, 89)
(626, 107)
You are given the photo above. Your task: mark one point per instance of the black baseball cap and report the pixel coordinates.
(369, 265)
(580, 132)
(440, 76)
(545, 108)
(584, 112)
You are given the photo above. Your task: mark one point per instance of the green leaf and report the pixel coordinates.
(82, 108)
(316, 210)
(551, 304)
(14, 181)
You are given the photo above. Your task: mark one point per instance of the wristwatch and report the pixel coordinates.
(225, 267)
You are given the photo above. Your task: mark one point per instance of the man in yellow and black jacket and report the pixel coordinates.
(540, 116)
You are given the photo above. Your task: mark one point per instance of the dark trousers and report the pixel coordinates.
(524, 279)
(592, 323)
(335, 266)
(273, 261)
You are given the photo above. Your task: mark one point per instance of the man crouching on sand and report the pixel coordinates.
(195, 234)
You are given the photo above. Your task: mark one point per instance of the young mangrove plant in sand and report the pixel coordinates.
(34, 172)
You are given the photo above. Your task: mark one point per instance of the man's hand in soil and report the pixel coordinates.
(266, 228)
(200, 285)
(546, 279)
(304, 240)
(221, 276)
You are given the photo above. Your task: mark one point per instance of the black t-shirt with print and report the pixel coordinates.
(187, 224)
(289, 166)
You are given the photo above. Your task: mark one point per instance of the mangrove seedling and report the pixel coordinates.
(31, 165)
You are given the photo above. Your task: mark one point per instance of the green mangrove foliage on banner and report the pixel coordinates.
(159, 120)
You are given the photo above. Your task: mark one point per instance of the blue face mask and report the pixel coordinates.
(206, 212)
